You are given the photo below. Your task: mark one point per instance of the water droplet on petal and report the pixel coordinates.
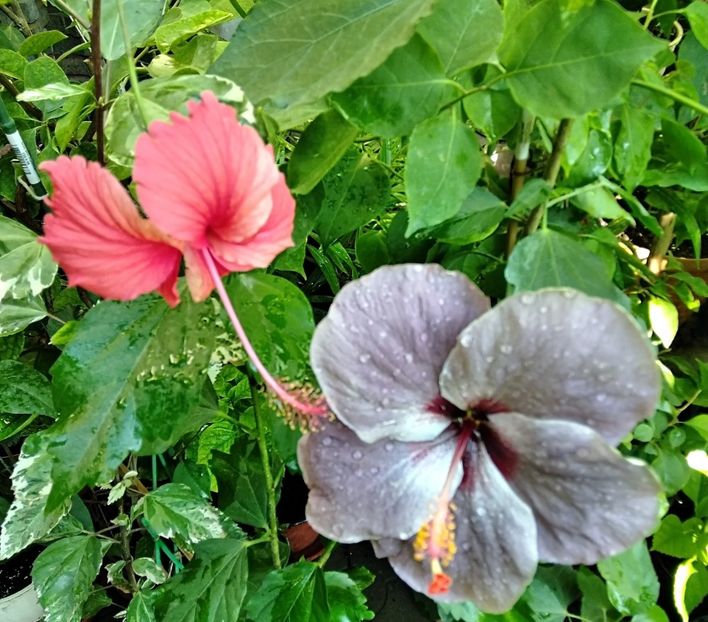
(423, 337)
(364, 358)
(357, 455)
(327, 441)
(526, 299)
(543, 309)
(506, 349)
(388, 446)
(383, 334)
(409, 357)
(480, 511)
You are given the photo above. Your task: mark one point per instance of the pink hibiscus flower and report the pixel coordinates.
(210, 189)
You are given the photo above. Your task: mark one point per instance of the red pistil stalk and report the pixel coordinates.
(436, 539)
(305, 408)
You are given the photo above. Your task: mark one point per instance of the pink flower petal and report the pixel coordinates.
(273, 238)
(205, 175)
(97, 236)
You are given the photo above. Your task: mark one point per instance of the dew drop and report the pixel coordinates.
(526, 299)
(480, 511)
(388, 446)
(600, 397)
(364, 358)
(409, 357)
(506, 349)
(327, 441)
(374, 470)
(423, 337)
(543, 309)
(383, 334)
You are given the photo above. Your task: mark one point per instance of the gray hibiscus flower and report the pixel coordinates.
(474, 443)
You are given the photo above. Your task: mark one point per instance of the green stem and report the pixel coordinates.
(518, 174)
(69, 52)
(71, 13)
(132, 73)
(24, 424)
(97, 63)
(675, 95)
(650, 14)
(268, 475)
(326, 553)
(552, 171)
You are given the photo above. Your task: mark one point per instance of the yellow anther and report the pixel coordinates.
(436, 539)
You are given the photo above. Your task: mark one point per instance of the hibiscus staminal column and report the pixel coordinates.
(304, 412)
(436, 539)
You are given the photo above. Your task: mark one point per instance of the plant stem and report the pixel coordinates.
(655, 261)
(16, 19)
(97, 63)
(675, 95)
(76, 48)
(280, 391)
(71, 13)
(125, 553)
(552, 170)
(326, 553)
(650, 14)
(518, 174)
(268, 475)
(132, 73)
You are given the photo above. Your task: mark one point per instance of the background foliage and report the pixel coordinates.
(526, 144)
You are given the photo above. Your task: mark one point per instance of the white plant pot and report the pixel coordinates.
(22, 606)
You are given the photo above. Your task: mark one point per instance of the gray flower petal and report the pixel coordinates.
(589, 502)
(496, 541)
(557, 354)
(378, 353)
(362, 491)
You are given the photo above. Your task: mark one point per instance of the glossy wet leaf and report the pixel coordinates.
(678, 538)
(551, 259)
(141, 18)
(632, 148)
(478, 218)
(26, 266)
(342, 42)
(408, 88)
(175, 510)
(211, 588)
(63, 576)
(632, 584)
(296, 593)
(23, 390)
(320, 147)
(697, 13)
(277, 317)
(494, 112)
(565, 59)
(345, 598)
(464, 33)
(356, 190)
(443, 165)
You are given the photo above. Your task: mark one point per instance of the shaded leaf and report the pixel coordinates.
(141, 18)
(23, 390)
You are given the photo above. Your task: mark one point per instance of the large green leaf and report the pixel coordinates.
(296, 593)
(443, 165)
(632, 584)
(465, 33)
(187, 19)
(289, 53)
(26, 266)
(565, 58)
(175, 510)
(277, 317)
(63, 575)
(356, 190)
(408, 88)
(320, 147)
(632, 149)
(23, 390)
(345, 598)
(551, 259)
(141, 18)
(477, 219)
(210, 589)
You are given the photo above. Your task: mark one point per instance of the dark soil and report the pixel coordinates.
(16, 573)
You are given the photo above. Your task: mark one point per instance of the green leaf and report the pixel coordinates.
(632, 149)
(243, 493)
(141, 607)
(601, 203)
(550, 259)
(655, 614)
(12, 346)
(408, 88)
(64, 573)
(700, 424)
(40, 41)
(23, 390)
(342, 42)
(26, 266)
(141, 18)
(57, 91)
(148, 568)
(477, 219)
(595, 604)
(29, 518)
(296, 593)
(550, 594)
(493, 111)
(356, 190)
(306, 214)
(175, 510)
(680, 539)
(443, 165)
(40, 72)
(277, 318)
(567, 58)
(672, 469)
(16, 315)
(371, 250)
(465, 33)
(697, 13)
(210, 589)
(185, 20)
(663, 319)
(12, 64)
(320, 147)
(632, 584)
(345, 599)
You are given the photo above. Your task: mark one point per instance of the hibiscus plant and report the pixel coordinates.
(355, 309)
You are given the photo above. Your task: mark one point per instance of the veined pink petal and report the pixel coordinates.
(273, 238)
(98, 237)
(199, 280)
(205, 175)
